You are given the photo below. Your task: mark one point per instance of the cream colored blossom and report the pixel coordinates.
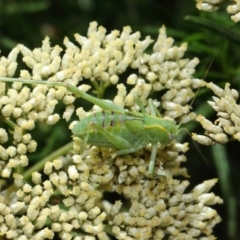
(227, 124)
(62, 195)
(209, 5)
(213, 5)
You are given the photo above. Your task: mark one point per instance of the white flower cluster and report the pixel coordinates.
(209, 5)
(157, 212)
(213, 5)
(65, 195)
(26, 209)
(227, 126)
(234, 9)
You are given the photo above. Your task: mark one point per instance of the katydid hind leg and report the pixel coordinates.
(110, 106)
(117, 141)
(84, 142)
(120, 143)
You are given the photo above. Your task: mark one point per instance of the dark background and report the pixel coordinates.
(208, 34)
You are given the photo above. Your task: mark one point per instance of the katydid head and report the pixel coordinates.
(159, 129)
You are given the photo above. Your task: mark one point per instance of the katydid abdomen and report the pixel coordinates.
(111, 121)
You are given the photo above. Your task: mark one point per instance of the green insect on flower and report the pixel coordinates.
(115, 127)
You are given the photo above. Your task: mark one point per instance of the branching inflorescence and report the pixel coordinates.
(213, 5)
(156, 208)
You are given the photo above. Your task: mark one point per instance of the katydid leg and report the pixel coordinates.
(110, 106)
(101, 103)
(152, 161)
(119, 142)
(151, 107)
(84, 142)
(139, 103)
(116, 140)
(129, 150)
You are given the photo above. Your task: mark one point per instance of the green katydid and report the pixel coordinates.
(116, 127)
